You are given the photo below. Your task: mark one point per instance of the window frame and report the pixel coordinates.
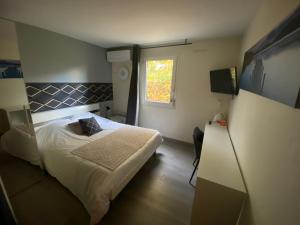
(172, 102)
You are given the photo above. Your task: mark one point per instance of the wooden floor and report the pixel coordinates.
(158, 194)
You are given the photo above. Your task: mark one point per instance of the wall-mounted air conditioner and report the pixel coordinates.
(119, 55)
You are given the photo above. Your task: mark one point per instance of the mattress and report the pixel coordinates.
(93, 184)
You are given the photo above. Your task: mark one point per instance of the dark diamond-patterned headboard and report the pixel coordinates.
(51, 96)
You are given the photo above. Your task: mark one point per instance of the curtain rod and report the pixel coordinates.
(168, 45)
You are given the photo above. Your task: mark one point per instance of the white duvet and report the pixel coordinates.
(94, 185)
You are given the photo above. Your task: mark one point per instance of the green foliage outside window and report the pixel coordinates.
(159, 80)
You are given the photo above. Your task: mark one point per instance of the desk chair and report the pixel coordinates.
(198, 140)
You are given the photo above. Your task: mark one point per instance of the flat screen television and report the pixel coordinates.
(223, 81)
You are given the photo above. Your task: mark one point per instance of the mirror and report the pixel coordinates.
(18, 147)
(36, 88)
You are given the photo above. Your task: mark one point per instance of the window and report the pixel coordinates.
(160, 81)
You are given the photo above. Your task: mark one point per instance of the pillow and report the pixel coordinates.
(89, 126)
(75, 128)
(21, 143)
(82, 116)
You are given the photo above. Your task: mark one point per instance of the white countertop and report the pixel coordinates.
(218, 163)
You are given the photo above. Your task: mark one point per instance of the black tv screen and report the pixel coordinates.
(223, 81)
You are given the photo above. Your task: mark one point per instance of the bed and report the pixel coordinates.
(92, 183)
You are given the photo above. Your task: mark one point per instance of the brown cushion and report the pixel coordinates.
(89, 126)
(75, 128)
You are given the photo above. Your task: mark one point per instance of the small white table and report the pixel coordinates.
(220, 190)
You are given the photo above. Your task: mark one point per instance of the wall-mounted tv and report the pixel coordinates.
(223, 81)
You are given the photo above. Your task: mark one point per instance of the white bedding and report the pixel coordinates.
(94, 185)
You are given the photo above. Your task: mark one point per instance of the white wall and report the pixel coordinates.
(268, 16)
(120, 88)
(12, 91)
(266, 136)
(51, 57)
(8, 40)
(195, 103)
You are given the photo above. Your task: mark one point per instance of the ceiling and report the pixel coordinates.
(110, 23)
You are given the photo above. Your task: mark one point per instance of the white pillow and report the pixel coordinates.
(21, 143)
(82, 116)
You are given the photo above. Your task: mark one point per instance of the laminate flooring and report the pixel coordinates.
(159, 194)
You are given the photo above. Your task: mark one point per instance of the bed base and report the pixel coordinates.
(130, 175)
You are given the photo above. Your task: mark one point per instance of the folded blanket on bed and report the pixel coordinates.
(114, 149)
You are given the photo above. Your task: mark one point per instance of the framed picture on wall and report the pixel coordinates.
(10, 69)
